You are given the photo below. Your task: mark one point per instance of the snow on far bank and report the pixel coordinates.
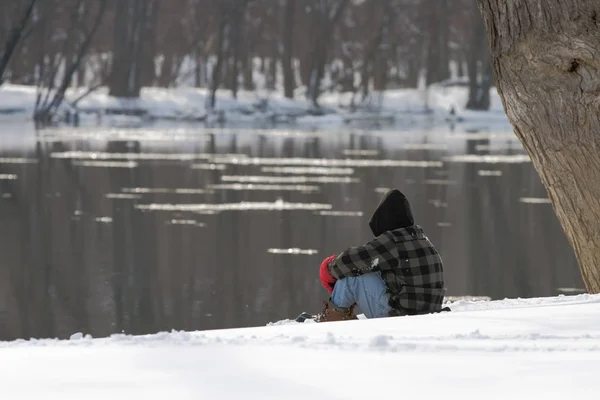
(544, 348)
(396, 106)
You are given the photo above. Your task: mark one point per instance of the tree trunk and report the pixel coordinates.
(546, 57)
(438, 53)
(248, 68)
(215, 79)
(133, 55)
(289, 83)
(444, 41)
(166, 71)
(235, 41)
(328, 17)
(479, 90)
(198, 68)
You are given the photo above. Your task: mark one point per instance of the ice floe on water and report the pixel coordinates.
(207, 166)
(360, 152)
(308, 170)
(288, 179)
(242, 206)
(424, 146)
(107, 164)
(293, 251)
(322, 162)
(124, 196)
(535, 200)
(148, 190)
(483, 172)
(100, 155)
(263, 187)
(189, 222)
(442, 182)
(488, 159)
(341, 213)
(17, 160)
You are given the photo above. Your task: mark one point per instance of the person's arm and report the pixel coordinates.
(362, 259)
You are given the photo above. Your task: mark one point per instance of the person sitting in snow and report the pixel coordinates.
(398, 273)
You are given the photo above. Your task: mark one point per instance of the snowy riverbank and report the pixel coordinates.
(184, 104)
(546, 348)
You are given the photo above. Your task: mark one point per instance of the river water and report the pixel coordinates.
(108, 230)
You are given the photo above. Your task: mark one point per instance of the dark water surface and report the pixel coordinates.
(139, 231)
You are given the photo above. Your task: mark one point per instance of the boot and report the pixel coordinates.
(330, 313)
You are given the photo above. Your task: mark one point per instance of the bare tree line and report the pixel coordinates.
(302, 48)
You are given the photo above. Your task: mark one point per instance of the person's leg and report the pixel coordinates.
(368, 291)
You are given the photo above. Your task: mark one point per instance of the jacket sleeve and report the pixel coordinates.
(356, 260)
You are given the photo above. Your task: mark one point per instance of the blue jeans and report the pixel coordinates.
(368, 291)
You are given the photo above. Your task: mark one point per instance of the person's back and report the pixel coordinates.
(400, 272)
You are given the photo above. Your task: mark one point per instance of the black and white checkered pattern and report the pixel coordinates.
(409, 264)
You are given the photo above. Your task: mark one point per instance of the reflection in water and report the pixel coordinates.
(167, 230)
(437, 203)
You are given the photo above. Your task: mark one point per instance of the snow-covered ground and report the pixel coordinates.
(545, 348)
(396, 107)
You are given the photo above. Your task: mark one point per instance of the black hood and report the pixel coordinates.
(392, 213)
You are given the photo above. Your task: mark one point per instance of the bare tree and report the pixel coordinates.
(438, 61)
(480, 67)
(224, 25)
(133, 56)
(546, 56)
(13, 38)
(289, 81)
(237, 20)
(327, 13)
(75, 46)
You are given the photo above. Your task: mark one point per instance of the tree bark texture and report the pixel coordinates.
(546, 56)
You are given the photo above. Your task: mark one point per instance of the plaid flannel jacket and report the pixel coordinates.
(409, 264)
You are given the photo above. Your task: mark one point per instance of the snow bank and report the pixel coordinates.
(188, 104)
(547, 348)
